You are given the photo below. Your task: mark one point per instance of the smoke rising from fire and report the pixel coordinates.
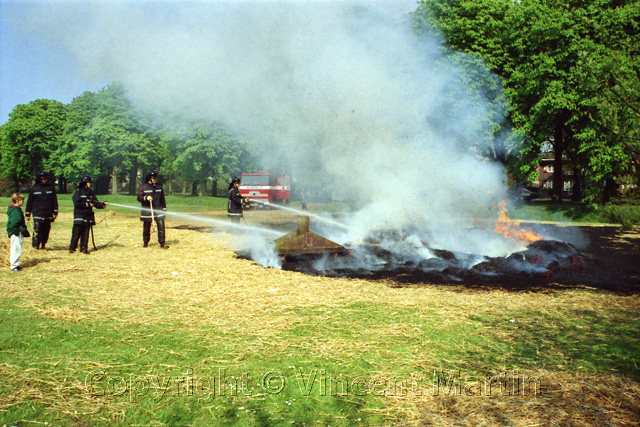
(341, 92)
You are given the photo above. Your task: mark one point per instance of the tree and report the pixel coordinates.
(476, 45)
(611, 139)
(106, 138)
(75, 154)
(29, 137)
(208, 152)
(540, 48)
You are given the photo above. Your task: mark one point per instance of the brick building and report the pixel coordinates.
(544, 183)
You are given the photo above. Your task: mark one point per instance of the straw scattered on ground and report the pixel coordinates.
(200, 282)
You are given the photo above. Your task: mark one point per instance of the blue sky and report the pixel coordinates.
(36, 38)
(32, 68)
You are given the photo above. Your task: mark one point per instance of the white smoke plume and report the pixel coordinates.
(261, 249)
(342, 91)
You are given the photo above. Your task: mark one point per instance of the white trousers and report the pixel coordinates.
(16, 250)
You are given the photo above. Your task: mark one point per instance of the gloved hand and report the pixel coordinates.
(149, 198)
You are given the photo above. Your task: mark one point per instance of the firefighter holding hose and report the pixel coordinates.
(84, 200)
(151, 196)
(234, 208)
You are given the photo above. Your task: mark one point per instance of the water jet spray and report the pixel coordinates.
(210, 221)
(299, 212)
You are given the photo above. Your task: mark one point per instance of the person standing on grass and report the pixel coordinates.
(151, 196)
(43, 203)
(234, 208)
(83, 217)
(16, 229)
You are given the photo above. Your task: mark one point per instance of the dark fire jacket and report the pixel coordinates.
(158, 203)
(82, 210)
(235, 202)
(42, 202)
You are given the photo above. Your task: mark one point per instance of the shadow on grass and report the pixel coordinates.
(574, 211)
(549, 210)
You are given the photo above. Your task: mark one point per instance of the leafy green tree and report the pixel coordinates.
(545, 52)
(611, 119)
(29, 137)
(106, 138)
(208, 152)
(75, 154)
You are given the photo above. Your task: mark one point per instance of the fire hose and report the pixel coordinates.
(33, 228)
(93, 240)
(153, 218)
(243, 203)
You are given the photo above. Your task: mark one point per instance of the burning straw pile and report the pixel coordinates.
(407, 255)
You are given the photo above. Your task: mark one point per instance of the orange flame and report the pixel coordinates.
(511, 229)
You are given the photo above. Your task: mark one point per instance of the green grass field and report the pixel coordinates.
(194, 336)
(577, 213)
(178, 203)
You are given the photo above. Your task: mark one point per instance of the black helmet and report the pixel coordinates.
(85, 178)
(235, 179)
(151, 174)
(42, 174)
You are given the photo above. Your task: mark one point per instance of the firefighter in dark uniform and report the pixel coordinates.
(151, 196)
(83, 217)
(234, 209)
(43, 205)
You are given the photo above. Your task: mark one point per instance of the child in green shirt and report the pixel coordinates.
(16, 229)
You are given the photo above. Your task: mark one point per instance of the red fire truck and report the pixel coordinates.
(265, 188)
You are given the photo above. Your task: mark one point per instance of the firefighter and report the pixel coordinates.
(43, 204)
(234, 209)
(151, 197)
(83, 217)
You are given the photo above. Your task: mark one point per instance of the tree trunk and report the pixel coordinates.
(204, 187)
(133, 178)
(62, 185)
(214, 189)
(610, 190)
(114, 180)
(101, 185)
(558, 150)
(194, 188)
(577, 185)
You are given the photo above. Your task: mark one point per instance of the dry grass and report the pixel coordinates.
(202, 277)
(565, 399)
(199, 282)
(64, 395)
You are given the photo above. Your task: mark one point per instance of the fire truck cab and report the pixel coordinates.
(265, 188)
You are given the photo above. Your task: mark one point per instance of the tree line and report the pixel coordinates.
(101, 134)
(569, 80)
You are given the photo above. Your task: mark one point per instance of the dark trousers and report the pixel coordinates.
(41, 231)
(80, 232)
(146, 231)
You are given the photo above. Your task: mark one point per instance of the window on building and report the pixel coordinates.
(255, 180)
